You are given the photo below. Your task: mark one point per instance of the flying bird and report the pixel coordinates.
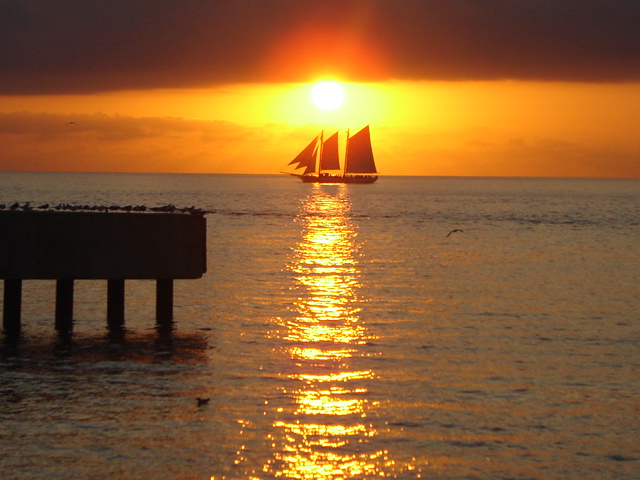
(202, 401)
(454, 231)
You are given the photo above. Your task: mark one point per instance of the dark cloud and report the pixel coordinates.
(64, 46)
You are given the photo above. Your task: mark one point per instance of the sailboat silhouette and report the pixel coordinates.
(321, 162)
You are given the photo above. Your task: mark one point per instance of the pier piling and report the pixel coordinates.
(12, 305)
(64, 305)
(115, 302)
(164, 301)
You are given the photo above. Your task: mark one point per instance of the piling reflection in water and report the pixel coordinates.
(323, 432)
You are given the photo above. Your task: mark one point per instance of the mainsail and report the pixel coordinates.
(359, 157)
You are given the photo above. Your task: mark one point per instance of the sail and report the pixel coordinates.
(330, 159)
(359, 153)
(307, 158)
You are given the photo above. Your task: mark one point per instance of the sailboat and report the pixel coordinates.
(321, 162)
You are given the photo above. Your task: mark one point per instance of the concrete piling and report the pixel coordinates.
(64, 305)
(115, 302)
(164, 301)
(12, 310)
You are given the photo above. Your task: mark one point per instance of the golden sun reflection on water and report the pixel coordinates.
(322, 433)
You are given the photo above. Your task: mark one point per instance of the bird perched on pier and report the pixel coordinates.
(202, 401)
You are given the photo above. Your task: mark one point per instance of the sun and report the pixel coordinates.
(327, 95)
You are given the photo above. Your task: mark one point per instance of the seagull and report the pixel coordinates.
(202, 401)
(454, 231)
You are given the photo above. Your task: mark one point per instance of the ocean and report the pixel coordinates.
(342, 332)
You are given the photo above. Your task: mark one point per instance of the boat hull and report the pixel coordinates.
(338, 178)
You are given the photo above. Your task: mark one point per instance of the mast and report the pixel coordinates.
(319, 158)
(346, 156)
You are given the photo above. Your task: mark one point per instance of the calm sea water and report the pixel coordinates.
(340, 333)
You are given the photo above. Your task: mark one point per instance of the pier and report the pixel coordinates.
(69, 246)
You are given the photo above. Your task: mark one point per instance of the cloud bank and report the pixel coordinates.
(103, 143)
(80, 46)
(117, 143)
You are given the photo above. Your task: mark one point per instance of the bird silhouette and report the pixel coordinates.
(454, 231)
(202, 401)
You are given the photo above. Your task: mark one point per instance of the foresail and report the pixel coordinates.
(360, 154)
(307, 158)
(330, 158)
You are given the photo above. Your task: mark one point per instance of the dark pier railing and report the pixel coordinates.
(67, 246)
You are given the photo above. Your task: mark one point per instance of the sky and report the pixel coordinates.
(449, 87)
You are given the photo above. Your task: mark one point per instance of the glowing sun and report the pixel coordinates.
(327, 95)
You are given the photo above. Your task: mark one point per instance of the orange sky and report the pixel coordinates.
(456, 101)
